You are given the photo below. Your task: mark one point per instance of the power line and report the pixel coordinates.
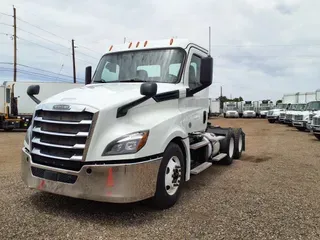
(6, 14)
(266, 45)
(39, 69)
(42, 29)
(88, 49)
(6, 24)
(42, 37)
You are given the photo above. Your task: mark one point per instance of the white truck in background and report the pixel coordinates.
(315, 125)
(249, 109)
(295, 108)
(274, 114)
(130, 134)
(265, 106)
(214, 109)
(16, 107)
(287, 99)
(232, 109)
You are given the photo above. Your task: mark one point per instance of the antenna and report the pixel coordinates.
(209, 41)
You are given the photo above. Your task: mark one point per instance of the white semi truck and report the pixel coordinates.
(231, 109)
(16, 108)
(249, 109)
(302, 121)
(138, 129)
(315, 125)
(264, 107)
(274, 114)
(292, 110)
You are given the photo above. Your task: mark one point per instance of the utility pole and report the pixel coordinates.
(221, 91)
(74, 63)
(14, 45)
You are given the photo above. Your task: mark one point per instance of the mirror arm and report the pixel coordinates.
(36, 100)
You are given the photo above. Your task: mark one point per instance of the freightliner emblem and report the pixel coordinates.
(61, 107)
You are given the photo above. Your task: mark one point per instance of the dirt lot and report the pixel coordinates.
(271, 193)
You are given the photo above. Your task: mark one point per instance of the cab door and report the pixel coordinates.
(195, 108)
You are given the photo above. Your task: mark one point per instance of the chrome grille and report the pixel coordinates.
(298, 117)
(316, 121)
(59, 138)
(289, 116)
(282, 115)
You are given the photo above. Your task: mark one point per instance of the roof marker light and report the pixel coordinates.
(145, 43)
(110, 48)
(171, 41)
(137, 45)
(130, 45)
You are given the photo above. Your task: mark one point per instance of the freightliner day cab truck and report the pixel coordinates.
(249, 110)
(315, 126)
(231, 110)
(16, 108)
(138, 129)
(302, 121)
(265, 106)
(292, 110)
(274, 114)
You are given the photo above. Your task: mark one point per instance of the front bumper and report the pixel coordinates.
(299, 124)
(248, 116)
(115, 183)
(288, 121)
(315, 130)
(232, 115)
(272, 117)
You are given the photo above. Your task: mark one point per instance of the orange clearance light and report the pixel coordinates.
(137, 45)
(110, 47)
(130, 45)
(145, 43)
(171, 41)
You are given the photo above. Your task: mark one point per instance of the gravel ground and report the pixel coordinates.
(271, 193)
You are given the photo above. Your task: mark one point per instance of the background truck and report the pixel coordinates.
(302, 120)
(16, 107)
(293, 109)
(274, 114)
(214, 109)
(131, 133)
(249, 109)
(315, 125)
(265, 106)
(232, 109)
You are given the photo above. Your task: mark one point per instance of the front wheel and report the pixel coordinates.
(238, 143)
(271, 120)
(317, 136)
(301, 129)
(171, 176)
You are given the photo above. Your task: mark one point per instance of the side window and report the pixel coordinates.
(110, 72)
(8, 95)
(194, 72)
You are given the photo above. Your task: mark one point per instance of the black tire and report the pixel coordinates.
(238, 139)
(301, 129)
(224, 148)
(271, 120)
(224, 115)
(161, 199)
(8, 129)
(317, 136)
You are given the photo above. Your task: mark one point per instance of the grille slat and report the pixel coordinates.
(59, 138)
(298, 117)
(289, 116)
(316, 121)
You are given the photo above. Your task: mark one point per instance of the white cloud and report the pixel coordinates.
(281, 37)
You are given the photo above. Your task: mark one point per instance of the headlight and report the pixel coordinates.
(127, 144)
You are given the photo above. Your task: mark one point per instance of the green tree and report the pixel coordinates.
(279, 101)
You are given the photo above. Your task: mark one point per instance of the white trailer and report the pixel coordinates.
(214, 109)
(131, 133)
(16, 107)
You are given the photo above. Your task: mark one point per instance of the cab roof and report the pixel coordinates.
(152, 44)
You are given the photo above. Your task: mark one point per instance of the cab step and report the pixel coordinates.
(218, 157)
(200, 168)
(198, 145)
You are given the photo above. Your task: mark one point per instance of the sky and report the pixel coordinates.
(261, 49)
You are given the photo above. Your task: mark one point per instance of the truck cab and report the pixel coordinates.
(302, 120)
(249, 110)
(264, 107)
(137, 130)
(231, 110)
(293, 109)
(274, 114)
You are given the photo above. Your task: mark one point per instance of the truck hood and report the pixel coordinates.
(103, 95)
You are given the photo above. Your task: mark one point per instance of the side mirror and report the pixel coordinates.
(148, 89)
(88, 75)
(34, 90)
(206, 70)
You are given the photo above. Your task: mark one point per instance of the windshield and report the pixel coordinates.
(301, 106)
(161, 65)
(231, 107)
(246, 108)
(265, 108)
(292, 107)
(281, 106)
(312, 106)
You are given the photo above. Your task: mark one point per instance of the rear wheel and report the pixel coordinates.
(171, 176)
(227, 145)
(238, 143)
